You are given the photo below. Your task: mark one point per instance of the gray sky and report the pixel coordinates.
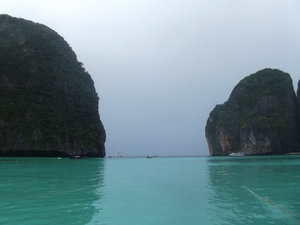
(160, 66)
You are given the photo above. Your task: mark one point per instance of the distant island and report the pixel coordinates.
(48, 102)
(260, 117)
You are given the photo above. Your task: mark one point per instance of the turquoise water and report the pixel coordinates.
(157, 191)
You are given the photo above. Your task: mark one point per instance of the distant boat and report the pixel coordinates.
(75, 157)
(118, 154)
(238, 154)
(149, 157)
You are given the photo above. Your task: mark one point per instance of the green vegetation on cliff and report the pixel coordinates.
(48, 101)
(267, 82)
(260, 117)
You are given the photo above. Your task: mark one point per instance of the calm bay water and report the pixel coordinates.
(157, 191)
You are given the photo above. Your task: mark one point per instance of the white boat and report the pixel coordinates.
(118, 155)
(238, 154)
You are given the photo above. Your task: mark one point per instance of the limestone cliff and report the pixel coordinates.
(48, 103)
(260, 117)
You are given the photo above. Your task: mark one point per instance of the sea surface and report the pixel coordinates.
(158, 191)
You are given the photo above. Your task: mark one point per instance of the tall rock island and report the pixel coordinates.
(260, 117)
(48, 102)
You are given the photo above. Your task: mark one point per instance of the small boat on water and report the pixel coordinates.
(118, 155)
(74, 157)
(238, 154)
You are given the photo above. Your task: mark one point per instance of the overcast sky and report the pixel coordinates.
(160, 66)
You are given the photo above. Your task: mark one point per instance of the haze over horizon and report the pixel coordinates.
(160, 66)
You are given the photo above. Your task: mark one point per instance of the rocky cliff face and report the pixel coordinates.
(48, 103)
(298, 106)
(260, 117)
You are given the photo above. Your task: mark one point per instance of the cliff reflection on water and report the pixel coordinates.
(255, 190)
(40, 190)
